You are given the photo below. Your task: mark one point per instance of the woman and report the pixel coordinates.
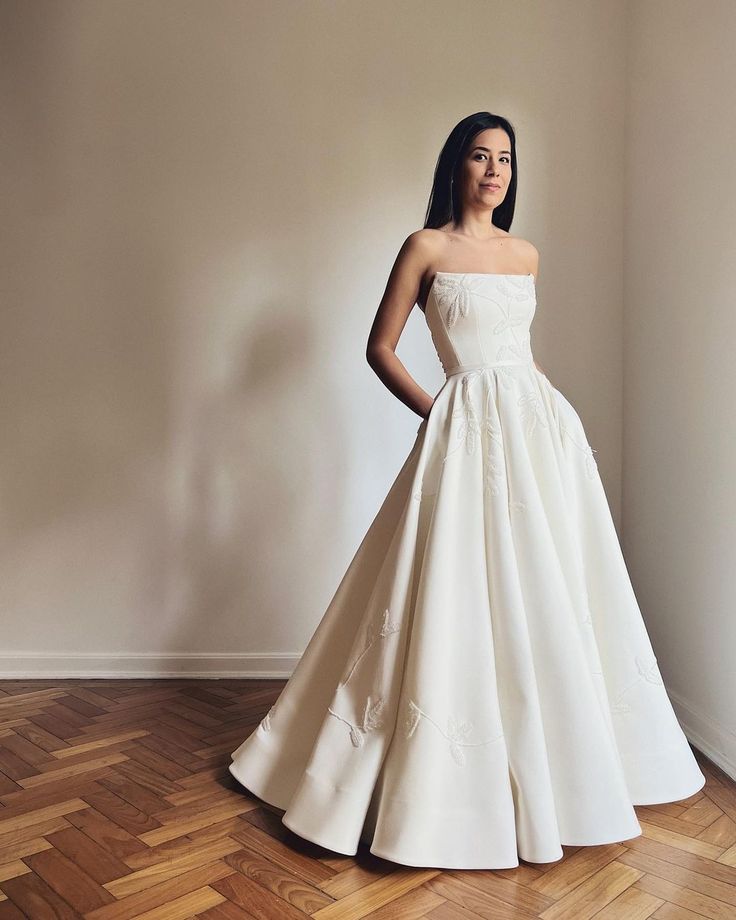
(482, 687)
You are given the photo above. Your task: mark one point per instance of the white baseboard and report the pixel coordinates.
(121, 665)
(716, 742)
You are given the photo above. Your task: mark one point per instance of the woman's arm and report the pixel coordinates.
(535, 272)
(399, 298)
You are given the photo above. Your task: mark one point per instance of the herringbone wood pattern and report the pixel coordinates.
(116, 802)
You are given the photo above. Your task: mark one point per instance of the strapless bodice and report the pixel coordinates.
(481, 319)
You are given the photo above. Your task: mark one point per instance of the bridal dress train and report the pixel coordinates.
(482, 686)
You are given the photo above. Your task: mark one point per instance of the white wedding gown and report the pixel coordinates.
(482, 686)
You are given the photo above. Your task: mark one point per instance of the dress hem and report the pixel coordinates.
(428, 864)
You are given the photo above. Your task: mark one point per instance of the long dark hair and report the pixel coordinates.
(445, 201)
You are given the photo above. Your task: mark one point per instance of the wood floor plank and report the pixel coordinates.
(667, 822)
(703, 813)
(206, 817)
(631, 904)
(150, 803)
(24, 848)
(255, 899)
(465, 898)
(84, 747)
(116, 802)
(594, 893)
(106, 833)
(149, 778)
(311, 870)
(375, 894)
(685, 897)
(68, 880)
(513, 895)
(680, 841)
(565, 876)
(226, 910)
(36, 900)
(122, 813)
(192, 858)
(185, 906)
(94, 859)
(75, 770)
(297, 893)
(722, 832)
(163, 893)
(10, 703)
(32, 829)
(8, 910)
(682, 877)
(13, 869)
(21, 816)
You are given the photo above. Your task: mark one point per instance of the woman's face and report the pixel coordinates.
(486, 171)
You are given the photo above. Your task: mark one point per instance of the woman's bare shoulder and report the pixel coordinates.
(427, 236)
(525, 246)
(526, 252)
(427, 243)
(423, 247)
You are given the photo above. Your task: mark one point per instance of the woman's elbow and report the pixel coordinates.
(374, 353)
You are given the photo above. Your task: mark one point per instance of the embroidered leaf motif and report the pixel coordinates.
(649, 672)
(387, 628)
(486, 432)
(456, 734)
(517, 291)
(516, 302)
(453, 296)
(519, 350)
(457, 754)
(373, 715)
(469, 430)
(515, 299)
(591, 467)
(412, 719)
(373, 712)
(458, 731)
(507, 322)
(620, 706)
(531, 412)
(372, 719)
(495, 465)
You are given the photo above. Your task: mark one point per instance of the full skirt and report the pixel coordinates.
(482, 687)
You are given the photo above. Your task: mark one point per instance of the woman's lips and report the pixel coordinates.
(491, 188)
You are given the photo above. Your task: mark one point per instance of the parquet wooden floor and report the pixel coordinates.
(116, 802)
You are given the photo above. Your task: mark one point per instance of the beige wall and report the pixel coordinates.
(205, 201)
(679, 448)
